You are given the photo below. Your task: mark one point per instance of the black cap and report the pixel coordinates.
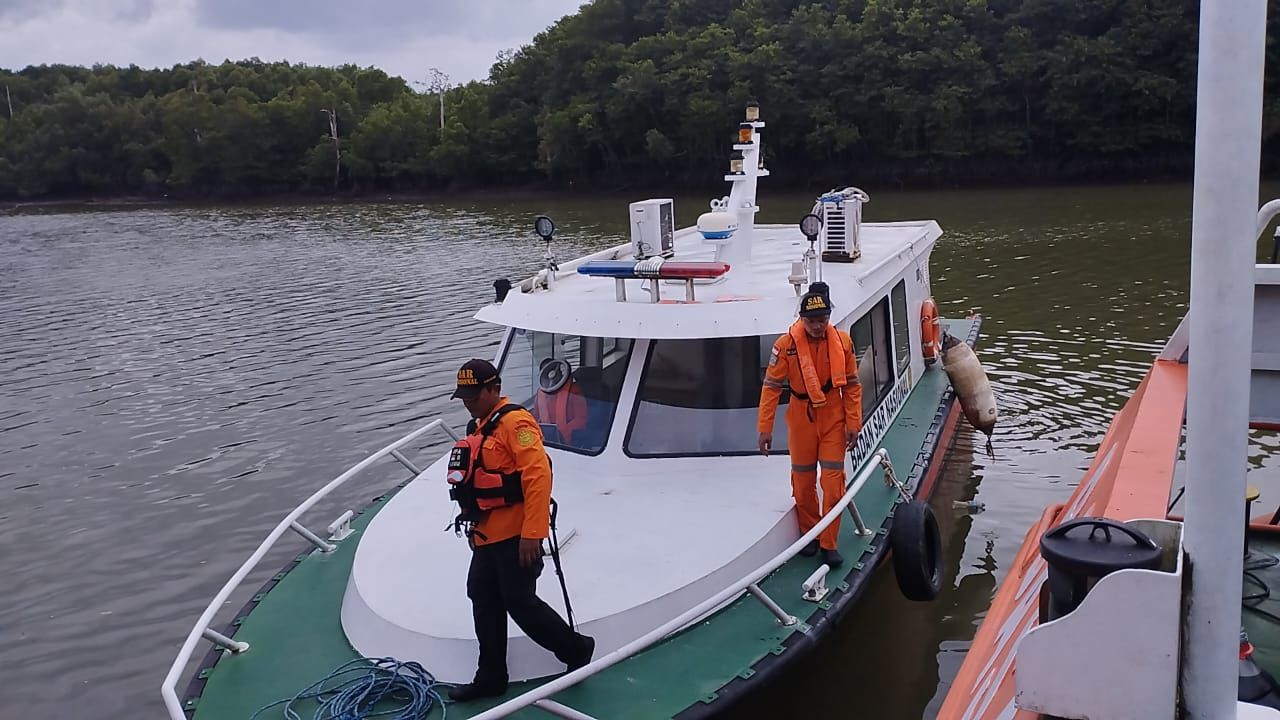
(473, 376)
(817, 301)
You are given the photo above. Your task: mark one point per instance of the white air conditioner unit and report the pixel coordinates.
(842, 225)
(653, 228)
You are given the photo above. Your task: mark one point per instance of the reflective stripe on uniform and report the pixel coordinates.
(769, 382)
(831, 464)
(852, 380)
(804, 468)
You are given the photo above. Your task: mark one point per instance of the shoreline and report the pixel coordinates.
(511, 194)
(284, 198)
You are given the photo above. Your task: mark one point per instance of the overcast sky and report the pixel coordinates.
(403, 37)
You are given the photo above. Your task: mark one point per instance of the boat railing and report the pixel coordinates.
(540, 697)
(337, 530)
(1266, 214)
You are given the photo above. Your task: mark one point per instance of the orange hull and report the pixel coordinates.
(1130, 478)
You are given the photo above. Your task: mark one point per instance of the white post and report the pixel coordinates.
(742, 201)
(1223, 235)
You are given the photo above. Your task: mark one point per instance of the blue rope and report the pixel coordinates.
(352, 690)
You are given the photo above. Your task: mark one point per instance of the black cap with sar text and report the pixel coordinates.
(816, 302)
(473, 376)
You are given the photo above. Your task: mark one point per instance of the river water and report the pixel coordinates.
(174, 380)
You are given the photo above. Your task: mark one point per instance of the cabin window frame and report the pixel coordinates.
(875, 392)
(637, 399)
(610, 347)
(900, 321)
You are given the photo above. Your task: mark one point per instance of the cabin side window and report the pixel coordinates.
(874, 351)
(570, 383)
(700, 397)
(901, 330)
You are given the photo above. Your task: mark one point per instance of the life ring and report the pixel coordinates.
(917, 551)
(930, 331)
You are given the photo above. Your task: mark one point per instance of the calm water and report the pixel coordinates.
(173, 381)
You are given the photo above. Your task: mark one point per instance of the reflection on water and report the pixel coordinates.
(172, 381)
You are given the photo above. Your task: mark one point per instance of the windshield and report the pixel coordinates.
(571, 384)
(700, 397)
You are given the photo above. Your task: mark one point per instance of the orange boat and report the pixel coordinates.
(1116, 607)
(1131, 480)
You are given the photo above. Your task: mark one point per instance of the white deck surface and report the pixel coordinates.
(584, 305)
(647, 543)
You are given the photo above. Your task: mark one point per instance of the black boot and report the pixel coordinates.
(810, 550)
(588, 648)
(475, 690)
(832, 557)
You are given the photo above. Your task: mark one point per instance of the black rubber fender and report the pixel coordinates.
(917, 551)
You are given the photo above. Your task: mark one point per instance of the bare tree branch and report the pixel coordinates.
(337, 153)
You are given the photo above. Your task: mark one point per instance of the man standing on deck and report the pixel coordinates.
(824, 417)
(505, 448)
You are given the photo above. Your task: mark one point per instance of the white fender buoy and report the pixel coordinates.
(971, 385)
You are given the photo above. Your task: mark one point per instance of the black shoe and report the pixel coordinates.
(810, 550)
(832, 558)
(588, 649)
(475, 691)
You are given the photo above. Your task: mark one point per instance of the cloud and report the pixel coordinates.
(403, 37)
(22, 9)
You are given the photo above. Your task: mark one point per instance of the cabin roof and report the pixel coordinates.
(757, 299)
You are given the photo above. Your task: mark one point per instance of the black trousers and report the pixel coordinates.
(498, 586)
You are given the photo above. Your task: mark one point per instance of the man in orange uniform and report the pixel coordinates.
(824, 416)
(506, 541)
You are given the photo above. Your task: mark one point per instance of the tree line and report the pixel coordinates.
(629, 93)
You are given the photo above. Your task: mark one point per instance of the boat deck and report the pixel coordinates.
(296, 637)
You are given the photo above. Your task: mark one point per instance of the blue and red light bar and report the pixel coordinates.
(653, 268)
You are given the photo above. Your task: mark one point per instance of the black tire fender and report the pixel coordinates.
(917, 551)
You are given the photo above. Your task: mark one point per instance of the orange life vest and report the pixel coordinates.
(564, 409)
(475, 488)
(815, 391)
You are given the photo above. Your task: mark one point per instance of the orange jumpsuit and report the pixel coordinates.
(516, 444)
(566, 409)
(815, 435)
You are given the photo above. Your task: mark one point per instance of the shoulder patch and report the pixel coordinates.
(773, 357)
(525, 437)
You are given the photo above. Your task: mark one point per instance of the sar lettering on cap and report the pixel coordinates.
(815, 302)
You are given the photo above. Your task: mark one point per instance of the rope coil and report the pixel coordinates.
(351, 692)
